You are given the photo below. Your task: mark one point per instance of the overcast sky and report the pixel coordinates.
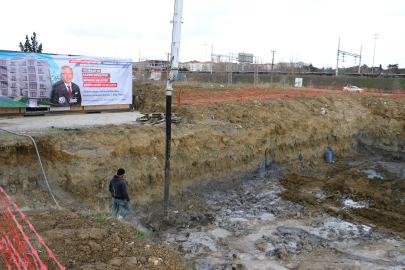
(299, 30)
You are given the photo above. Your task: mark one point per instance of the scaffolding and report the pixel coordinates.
(233, 59)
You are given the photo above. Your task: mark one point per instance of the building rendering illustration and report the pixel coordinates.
(25, 77)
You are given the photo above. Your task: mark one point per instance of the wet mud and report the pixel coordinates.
(332, 217)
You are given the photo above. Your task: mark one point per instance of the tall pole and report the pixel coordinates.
(272, 64)
(229, 68)
(212, 51)
(256, 72)
(205, 57)
(337, 59)
(174, 70)
(375, 42)
(361, 47)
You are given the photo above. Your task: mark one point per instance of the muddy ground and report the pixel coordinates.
(335, 216)
(250, 188)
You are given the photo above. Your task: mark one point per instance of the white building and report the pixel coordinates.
(194, 65)
(25, 76)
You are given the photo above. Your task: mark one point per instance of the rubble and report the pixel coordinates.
(158, 119)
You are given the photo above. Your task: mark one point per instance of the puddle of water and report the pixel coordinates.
(365, 159)
(364, 259)
(371, 173)
(289, 230)
(393, 167)
(267, 216)
(353, 204)
(356, 163)
(218, 232)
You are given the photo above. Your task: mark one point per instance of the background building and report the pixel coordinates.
(194, 65)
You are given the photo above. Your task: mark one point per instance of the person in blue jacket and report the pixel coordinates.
(119, 193)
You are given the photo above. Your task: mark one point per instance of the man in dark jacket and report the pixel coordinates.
(119, 193)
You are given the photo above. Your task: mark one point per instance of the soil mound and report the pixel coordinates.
(98, 242)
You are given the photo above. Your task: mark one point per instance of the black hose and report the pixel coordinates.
(46, 180)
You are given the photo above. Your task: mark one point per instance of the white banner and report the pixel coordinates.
(41, 80)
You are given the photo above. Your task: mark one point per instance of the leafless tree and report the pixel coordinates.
(282, 65)
(292, 63)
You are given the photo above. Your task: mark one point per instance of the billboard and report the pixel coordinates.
(245, 57)
(43, 80)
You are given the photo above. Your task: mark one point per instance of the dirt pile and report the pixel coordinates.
(97, 242)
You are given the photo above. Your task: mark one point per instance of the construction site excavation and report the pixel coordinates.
(261, 177)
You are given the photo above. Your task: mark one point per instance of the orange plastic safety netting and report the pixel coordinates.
(21, 246)
(240, 95)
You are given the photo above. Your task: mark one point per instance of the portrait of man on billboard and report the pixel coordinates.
(65, 93)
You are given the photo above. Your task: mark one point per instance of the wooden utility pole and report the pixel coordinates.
(272, 65)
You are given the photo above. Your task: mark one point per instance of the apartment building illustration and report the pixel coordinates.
(25, 77)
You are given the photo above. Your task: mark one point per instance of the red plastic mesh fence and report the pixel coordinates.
(16, 248)
(240, 95)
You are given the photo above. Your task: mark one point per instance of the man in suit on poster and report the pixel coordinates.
(64, 93)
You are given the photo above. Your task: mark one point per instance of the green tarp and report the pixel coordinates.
(8, 103)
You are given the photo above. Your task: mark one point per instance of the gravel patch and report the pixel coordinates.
(71, 121)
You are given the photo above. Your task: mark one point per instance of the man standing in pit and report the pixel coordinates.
(119, 193)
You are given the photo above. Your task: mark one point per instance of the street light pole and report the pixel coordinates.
(375, 42)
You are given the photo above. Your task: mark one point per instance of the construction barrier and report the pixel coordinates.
(178, 102)
(241, 95)
(16, 247)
